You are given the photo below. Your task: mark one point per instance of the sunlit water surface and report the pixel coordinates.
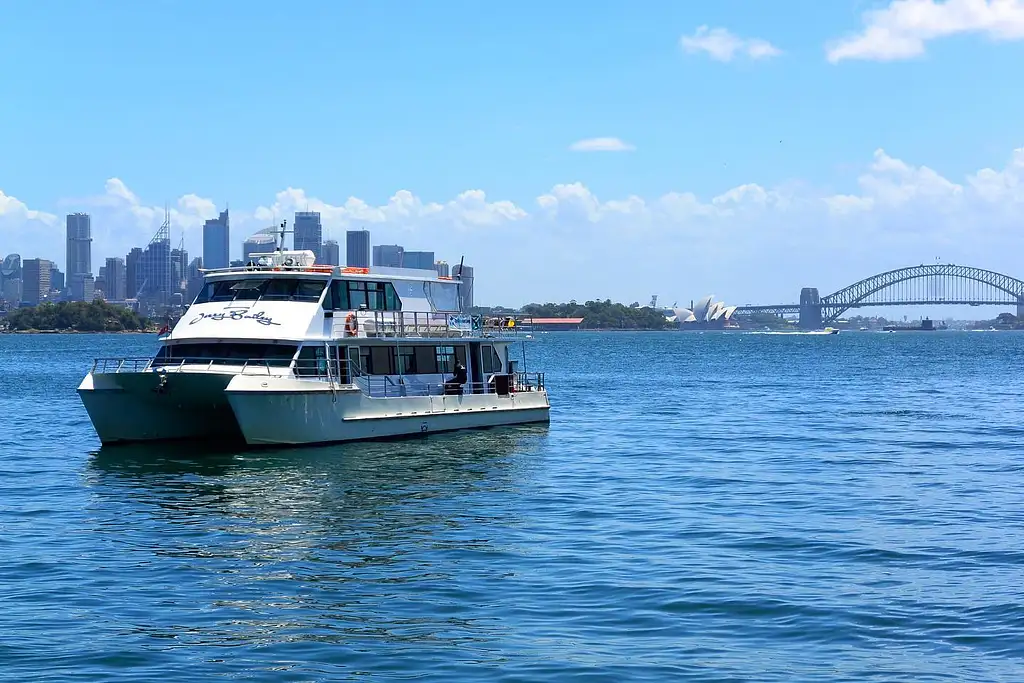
(711, 507)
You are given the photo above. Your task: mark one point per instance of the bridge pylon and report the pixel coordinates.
(810, 309)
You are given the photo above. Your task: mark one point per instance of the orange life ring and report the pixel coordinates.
(351, 325)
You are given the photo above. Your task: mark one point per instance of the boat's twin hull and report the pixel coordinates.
(142, 406)
(145, 406)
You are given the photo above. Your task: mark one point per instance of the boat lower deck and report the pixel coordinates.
(264, 409)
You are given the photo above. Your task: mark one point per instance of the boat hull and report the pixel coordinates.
(258, 410)
(144, 406)
(292, 412)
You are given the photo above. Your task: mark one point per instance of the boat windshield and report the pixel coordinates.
(262, 289)
(226, 354)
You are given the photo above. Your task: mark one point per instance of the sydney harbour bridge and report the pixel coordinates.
(934, 284)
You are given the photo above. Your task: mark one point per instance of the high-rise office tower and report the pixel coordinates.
(260, 243)
(442, 269)
(114, 279)
(308, 232)
(179, 264)
(83, 287)
(133, 273)
(35, 276)
(332, 253)
(10, 276)
(101, 283)
(388, 255)
(217, 241)
(423, 260)
(194, 279)
(156, 274)
(56, 278)
(357, 248)
(79, 244)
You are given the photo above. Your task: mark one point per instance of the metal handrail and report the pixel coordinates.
(236, 365)
(423, 325)
(376, 386)
(334, 371)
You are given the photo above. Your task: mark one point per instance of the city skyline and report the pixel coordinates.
(160, 276)
(685, 149)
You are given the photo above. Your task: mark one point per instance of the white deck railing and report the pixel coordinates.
(335, 372)
(250, 366)
(417, 325)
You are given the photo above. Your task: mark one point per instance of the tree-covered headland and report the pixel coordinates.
(602, 315)
(76, 316)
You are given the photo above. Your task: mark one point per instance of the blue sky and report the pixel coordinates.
(202, 104)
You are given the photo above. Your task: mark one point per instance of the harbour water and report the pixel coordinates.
(714, 507)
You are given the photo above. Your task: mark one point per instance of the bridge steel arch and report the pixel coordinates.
(861, 293)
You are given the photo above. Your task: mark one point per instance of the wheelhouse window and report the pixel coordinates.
(353, 295)
(491, 361)
(447, 355)
(262, 289)
(226, 354)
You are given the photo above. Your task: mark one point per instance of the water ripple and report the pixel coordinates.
(703, 507)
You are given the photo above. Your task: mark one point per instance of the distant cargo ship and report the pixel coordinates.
(926, 326)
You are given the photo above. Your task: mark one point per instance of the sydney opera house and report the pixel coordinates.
(707, 313)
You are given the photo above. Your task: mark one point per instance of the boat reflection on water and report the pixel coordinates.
(311, 484)
(335, 543)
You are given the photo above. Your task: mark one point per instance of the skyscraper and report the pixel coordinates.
(465, 276)
(133, 273)
(100, 282)
(194, 278)
(10, 276)
(114, 279)
(217, 241)
(442, 268)
(156, 275)
(35, 275)
(260, 243)
(308, 232)
(179, 264)
(56, 278)
(357, 248)
(418, 259)
(388, 255)
(332, 253)
(83, 287)
(79, 244)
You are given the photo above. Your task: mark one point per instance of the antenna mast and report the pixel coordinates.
(280, 246)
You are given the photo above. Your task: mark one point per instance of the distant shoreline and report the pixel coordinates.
(79, 332)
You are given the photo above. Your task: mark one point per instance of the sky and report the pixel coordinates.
(567, 151)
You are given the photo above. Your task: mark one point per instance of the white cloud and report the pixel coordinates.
(601, 145)
(901, 30)
(11, 209)
(747, 243)
(404, 211)
(723, 46)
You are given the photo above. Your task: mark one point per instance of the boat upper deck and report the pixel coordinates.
(286, 296)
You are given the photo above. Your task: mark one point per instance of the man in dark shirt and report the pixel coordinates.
(459, 377)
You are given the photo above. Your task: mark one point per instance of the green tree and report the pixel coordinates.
(79, 316)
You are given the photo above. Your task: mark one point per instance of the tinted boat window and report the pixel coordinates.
(226, 354)
(248, 290)
(265, 289)
(418, 359)
(353, 295)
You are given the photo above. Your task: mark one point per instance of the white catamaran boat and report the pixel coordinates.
(285, 351)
